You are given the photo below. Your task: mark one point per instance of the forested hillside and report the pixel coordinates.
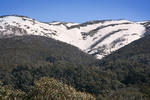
(131, 65)
(124, 74)
(24, 59)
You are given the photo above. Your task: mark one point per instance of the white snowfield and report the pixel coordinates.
(98, 38)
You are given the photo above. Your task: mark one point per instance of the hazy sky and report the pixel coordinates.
(77, 10)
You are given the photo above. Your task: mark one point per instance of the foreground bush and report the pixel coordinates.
(50, 89)
(44, 89)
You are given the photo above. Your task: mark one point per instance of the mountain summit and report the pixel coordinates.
(98, 37)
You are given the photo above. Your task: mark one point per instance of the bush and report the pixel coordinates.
(50, 89)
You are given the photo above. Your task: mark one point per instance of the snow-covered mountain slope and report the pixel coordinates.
(98, 38)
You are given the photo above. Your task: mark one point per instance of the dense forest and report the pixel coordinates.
(122, 75)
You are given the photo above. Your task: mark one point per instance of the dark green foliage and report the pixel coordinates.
(33, 57)
(124, 74)
(131, 65)
(25, 59)
(37, 49)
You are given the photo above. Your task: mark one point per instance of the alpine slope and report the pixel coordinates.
(97, 37)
